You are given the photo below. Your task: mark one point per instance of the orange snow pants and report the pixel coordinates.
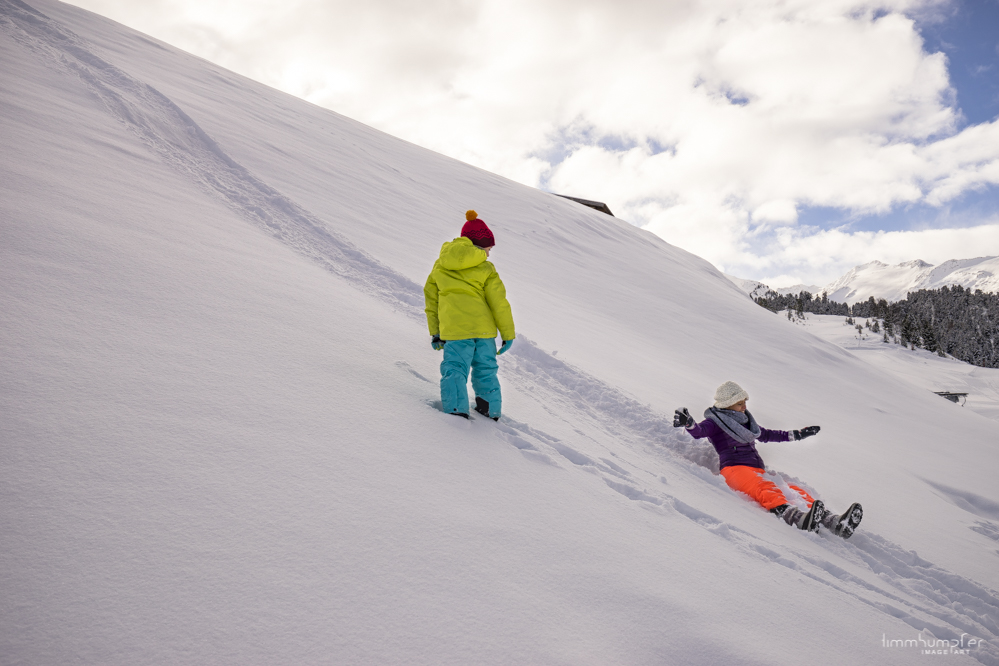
(750, 480)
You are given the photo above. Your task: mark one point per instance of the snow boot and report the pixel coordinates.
(845, 524)
(482, 407)
(789, 514)
(461, 414)
(807, 521)
(810, 521)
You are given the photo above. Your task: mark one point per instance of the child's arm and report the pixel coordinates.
(683, 419)
(786, 436)
(767, 435)
(705, 428)
(430, 294)
(500, 307)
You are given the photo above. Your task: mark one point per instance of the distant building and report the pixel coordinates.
(953, 397)
(595, 205)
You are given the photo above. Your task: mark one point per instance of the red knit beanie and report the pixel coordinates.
(476, 230)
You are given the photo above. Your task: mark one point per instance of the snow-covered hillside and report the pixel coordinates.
(218, 428)
(757, 289)
(892, 283)
(921, 368)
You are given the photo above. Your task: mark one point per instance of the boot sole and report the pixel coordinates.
(810, 523)
(848, 521)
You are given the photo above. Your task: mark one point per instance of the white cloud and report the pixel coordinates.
(713, 122)
(776, 210)
(817, 257)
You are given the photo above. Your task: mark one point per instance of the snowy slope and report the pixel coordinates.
(892, 283)
(218, 434)
(921, 368)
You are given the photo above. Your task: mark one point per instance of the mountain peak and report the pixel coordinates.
(893, 282)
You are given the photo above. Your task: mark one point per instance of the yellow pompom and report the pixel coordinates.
(470, 215)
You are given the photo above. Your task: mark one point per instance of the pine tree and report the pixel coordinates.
(908, 333)
(929, 337)
(955, 320)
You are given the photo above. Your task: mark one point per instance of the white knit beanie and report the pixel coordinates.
(728, 394)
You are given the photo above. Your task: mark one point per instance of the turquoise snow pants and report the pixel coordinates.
(479, 354)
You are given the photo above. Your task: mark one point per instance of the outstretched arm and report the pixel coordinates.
(705, 428)
(767, 435)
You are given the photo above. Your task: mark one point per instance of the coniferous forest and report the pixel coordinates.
(949, 320)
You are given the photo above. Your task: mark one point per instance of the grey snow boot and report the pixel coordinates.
(810, 521)
(807, 521)
(844, 525)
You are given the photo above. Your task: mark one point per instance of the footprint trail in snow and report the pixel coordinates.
(867, 568)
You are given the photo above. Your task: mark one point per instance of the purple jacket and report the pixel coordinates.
(732, 452)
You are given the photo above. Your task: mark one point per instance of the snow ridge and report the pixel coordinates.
(166, 129)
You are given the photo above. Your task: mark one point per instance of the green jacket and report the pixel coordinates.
(465, 297)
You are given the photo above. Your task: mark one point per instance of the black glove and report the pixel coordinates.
(805, 432)
(683, 419)
(437, 343)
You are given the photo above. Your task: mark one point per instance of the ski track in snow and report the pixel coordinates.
(891, 579)
(167, 130)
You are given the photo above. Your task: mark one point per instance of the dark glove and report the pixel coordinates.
(437, 343)
(506, 345)
(683, 419)
(805, 432)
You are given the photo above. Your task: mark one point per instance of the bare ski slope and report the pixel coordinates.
(217, 411)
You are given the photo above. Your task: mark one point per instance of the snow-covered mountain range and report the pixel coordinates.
(220, 436)
(755, 288)
(892, 283)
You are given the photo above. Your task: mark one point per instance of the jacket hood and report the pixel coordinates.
(460, 254)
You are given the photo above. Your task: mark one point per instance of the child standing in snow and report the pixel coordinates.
(465, 304)
(733, 431)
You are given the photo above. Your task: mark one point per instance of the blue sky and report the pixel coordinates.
(968, 34)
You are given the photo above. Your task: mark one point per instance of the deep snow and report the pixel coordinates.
(218, 428)
(921, 368)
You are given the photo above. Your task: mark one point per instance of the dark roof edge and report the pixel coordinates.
(596, 205)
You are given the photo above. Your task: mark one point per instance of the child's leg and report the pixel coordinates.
(485, 383)
(809, 500)
(454, 375)
(750, 480)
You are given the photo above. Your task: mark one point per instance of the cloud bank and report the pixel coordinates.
(714, 124)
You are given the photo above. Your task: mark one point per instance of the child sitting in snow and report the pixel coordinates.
(733, 431)
(465, 304)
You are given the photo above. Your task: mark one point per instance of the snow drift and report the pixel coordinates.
(218, 428)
